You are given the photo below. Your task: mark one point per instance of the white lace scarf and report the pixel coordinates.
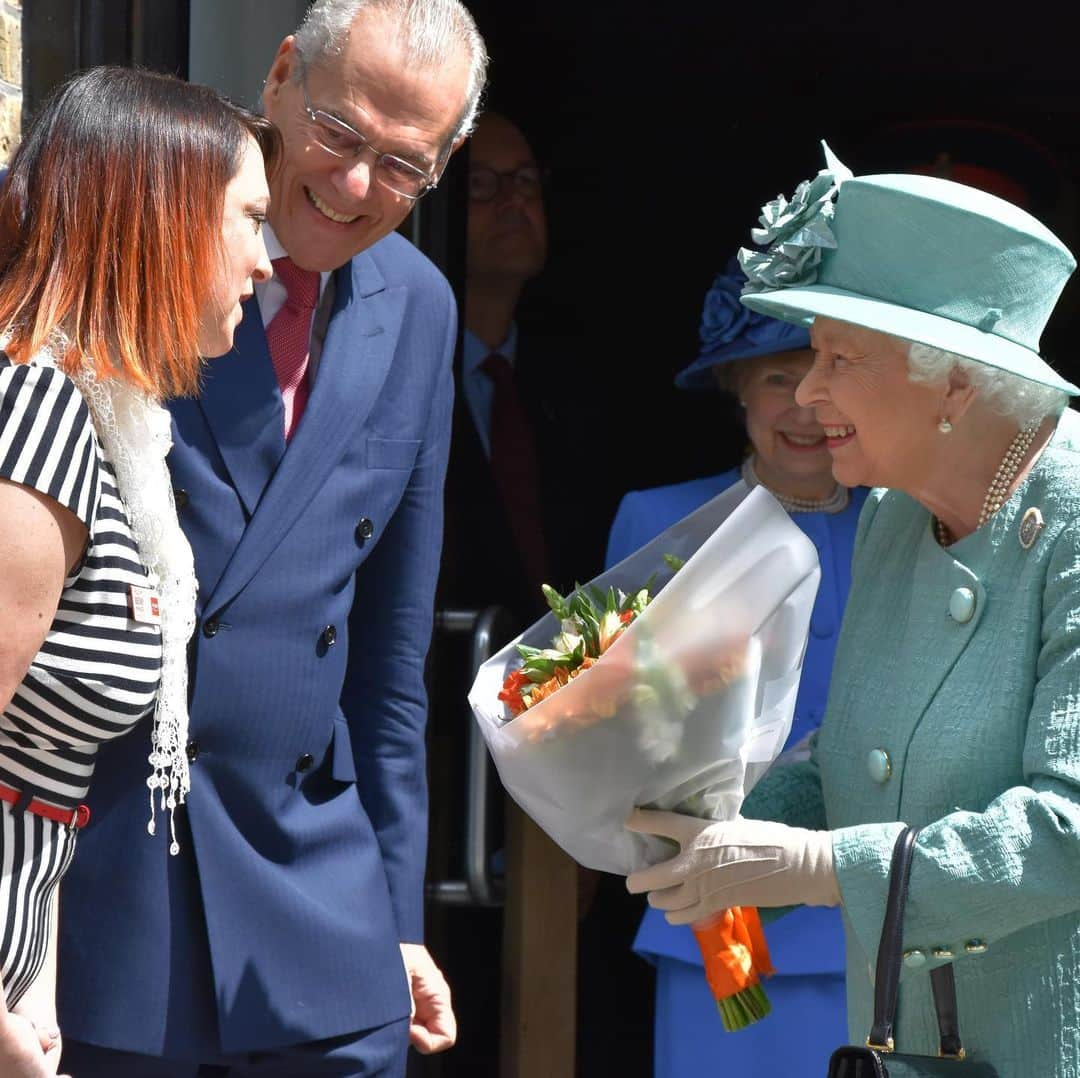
(135, 433)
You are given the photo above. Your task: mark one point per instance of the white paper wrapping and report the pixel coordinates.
(687, 709)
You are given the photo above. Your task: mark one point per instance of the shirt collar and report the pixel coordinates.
(474, 351)
(275, 250)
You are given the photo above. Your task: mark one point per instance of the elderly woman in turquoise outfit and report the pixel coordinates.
(760, 361)
(955, 698)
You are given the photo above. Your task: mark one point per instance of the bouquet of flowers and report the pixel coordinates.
(669, 682)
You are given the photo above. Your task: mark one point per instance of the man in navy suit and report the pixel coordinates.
(285, 937)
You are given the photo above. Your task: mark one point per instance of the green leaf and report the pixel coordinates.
(673, 562)
(541, 665)
(558, 604)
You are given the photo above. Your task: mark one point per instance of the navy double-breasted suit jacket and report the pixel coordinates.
(303, 838)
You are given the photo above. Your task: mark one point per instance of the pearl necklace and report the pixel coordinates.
(836, 502)
(997, 494)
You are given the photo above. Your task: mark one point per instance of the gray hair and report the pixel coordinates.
(1020, 399)
(429, 30)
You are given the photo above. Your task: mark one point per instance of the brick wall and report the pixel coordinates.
(10, 76)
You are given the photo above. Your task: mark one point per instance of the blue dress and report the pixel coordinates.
(807, 945)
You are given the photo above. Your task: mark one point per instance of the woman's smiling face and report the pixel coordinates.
(789, 442)
(880, 427)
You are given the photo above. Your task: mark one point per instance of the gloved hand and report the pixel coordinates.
(739, 863)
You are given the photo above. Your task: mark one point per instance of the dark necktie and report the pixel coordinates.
(514, 465)
(289, 337)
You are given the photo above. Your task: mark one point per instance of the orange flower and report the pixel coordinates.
(511, 692)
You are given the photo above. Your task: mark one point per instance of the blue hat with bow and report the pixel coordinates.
(730, 331)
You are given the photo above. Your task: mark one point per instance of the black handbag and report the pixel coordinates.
(879, 1059)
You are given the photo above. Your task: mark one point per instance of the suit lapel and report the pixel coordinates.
(356, 357)
(241, 401)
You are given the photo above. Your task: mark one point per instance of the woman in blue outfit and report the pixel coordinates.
(760, 361)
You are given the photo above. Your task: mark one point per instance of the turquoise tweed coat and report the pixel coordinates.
(955, 706)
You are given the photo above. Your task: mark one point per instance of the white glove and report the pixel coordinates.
(740, 863)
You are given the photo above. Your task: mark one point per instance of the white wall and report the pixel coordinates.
(233, 41)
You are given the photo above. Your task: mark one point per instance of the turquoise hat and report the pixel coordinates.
(917, 257)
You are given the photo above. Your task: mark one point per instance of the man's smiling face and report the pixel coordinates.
(325, 208)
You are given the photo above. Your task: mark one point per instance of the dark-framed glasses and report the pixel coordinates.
(485, 183)
(338, 138)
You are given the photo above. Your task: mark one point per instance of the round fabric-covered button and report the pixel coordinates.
(914, 958)
(879, 765)
(962, 605)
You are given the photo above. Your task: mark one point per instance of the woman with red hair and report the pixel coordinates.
(129, 235)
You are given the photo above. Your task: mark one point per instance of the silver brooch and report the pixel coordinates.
(1031, 525)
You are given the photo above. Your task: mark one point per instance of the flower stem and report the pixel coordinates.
(744, 1008)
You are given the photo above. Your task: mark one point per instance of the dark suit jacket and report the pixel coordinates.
(304, 836)
(579, 485)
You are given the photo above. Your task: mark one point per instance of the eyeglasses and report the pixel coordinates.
(485, 183)
(338, 138)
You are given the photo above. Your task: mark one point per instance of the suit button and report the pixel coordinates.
(975, 947)
(305, 763)
(192, 751)
(210, 627)
(879, 765)
(329, 636)
(914, 958)
(364, 531)
(180, 496)
(962, 605)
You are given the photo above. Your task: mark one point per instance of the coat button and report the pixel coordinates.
(180, 497)
(976, 947)
(210, 627)
(364, 531)
(944, 953)
(192, 751)
(328, 638)
(305, 763)
(962, 605)
(879, 765)
(914, 958)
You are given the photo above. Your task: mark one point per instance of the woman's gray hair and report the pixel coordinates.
(1027, 402)
(430, 31)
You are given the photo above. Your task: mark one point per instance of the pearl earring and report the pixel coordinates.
(945, 426)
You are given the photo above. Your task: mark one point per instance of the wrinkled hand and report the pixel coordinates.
(433, 1027)
(25, 1051)
(740, 863)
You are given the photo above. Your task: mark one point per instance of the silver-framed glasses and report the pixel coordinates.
(336, 137)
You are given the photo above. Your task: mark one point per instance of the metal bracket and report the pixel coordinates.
(480, 887)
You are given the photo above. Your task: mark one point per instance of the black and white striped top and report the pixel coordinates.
(97, 671)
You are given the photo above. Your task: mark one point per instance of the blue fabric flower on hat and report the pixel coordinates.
(724, 318)
(794, 232)
(730, 331)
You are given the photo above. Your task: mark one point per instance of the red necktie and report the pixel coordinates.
(289, 337)
(513, 462)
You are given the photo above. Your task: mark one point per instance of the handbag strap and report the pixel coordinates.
(887, 973)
